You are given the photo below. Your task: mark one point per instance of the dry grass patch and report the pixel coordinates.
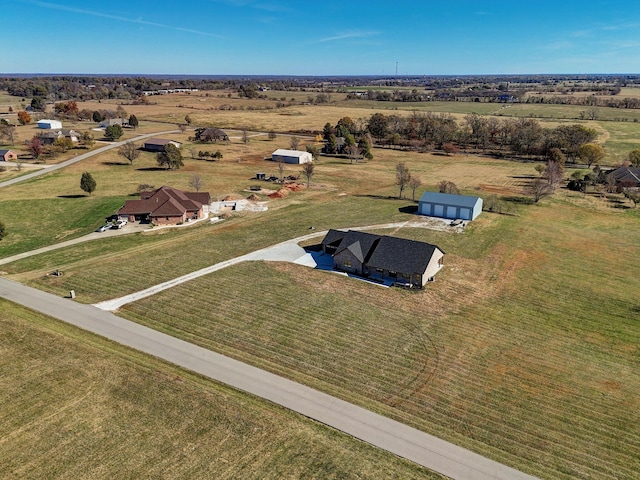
(76, 406)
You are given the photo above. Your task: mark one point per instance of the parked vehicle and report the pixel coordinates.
(120, 223)
(105, 227)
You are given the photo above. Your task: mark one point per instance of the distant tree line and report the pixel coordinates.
(441, 131)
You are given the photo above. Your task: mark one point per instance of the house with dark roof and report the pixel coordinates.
(166, 206)
(8, 156)
(158, 144)
(625, 177)
(383, 258)
(213, 135)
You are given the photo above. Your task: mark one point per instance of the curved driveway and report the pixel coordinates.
(410, 443)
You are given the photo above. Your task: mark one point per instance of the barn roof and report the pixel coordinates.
(449, 199)
(290, 153)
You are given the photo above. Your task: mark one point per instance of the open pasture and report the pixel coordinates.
(74, 405)
(524, 349)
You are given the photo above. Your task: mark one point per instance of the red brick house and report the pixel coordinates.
(166, 206)
(8, 156)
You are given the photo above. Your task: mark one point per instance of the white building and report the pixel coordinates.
(291, 156)
(49, 124)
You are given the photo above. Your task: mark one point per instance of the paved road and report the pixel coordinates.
(79, 158)
(395, 437)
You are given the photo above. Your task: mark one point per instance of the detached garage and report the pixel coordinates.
(291, 156)
(445, 205)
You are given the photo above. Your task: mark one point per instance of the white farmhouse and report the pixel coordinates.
(49, 124)
(291, 156)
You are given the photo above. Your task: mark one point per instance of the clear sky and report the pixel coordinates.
(304, 37)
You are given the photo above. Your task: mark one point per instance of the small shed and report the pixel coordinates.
(8, 156)
(446, 205)
(291, 156)
(49, 124)
(158, 144)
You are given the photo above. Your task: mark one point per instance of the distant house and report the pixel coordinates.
(213, 135)
(109, 122)
(291, 156)
(49, 124)
(158, 144)
(446, 205)
(50, 136)
(166, 206)
(383, 258)
(8, 156)
(625, 177)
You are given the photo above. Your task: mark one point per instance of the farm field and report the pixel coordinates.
(79, 406)
(524, 349)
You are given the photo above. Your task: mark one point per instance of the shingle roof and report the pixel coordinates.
(159, 141)
(449, 199)
(626, 174)
(165, 201)
(381, 251)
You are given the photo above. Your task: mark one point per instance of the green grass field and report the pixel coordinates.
(77, 406)
(524, 349)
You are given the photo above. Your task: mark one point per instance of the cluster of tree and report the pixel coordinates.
(348, 138)
(210, 156)
(66, 109)
(519, 136)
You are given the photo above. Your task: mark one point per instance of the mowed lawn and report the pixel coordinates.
(77, 406)
(525, 349)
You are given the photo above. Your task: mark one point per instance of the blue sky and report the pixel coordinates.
(304, 37)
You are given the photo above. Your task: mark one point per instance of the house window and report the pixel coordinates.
(393, 274)
(347, 263)
(406, 276)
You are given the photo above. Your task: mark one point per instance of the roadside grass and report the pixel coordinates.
(524, 349)
(45, 221)
(78, 406)
(133, 262)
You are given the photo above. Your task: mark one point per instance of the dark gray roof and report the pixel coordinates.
(449, 199)
(401, 255)
(626, 174)
(381, 251)
(4, 152)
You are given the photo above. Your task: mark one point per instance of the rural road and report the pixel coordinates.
(412, 444)
(79, 158)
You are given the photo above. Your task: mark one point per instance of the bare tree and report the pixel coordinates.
(272, 135)
(281, 168)
(245, 136)
(196, 182)
(129, 151)
(353, 152)
(538, 189)
(294, 142)
(308, 171)
(414, 184)
(402, 177)
(448, 187)
(182, 127)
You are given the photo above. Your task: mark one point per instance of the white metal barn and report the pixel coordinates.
(49, 124)
(291, 156)
(446, 205)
